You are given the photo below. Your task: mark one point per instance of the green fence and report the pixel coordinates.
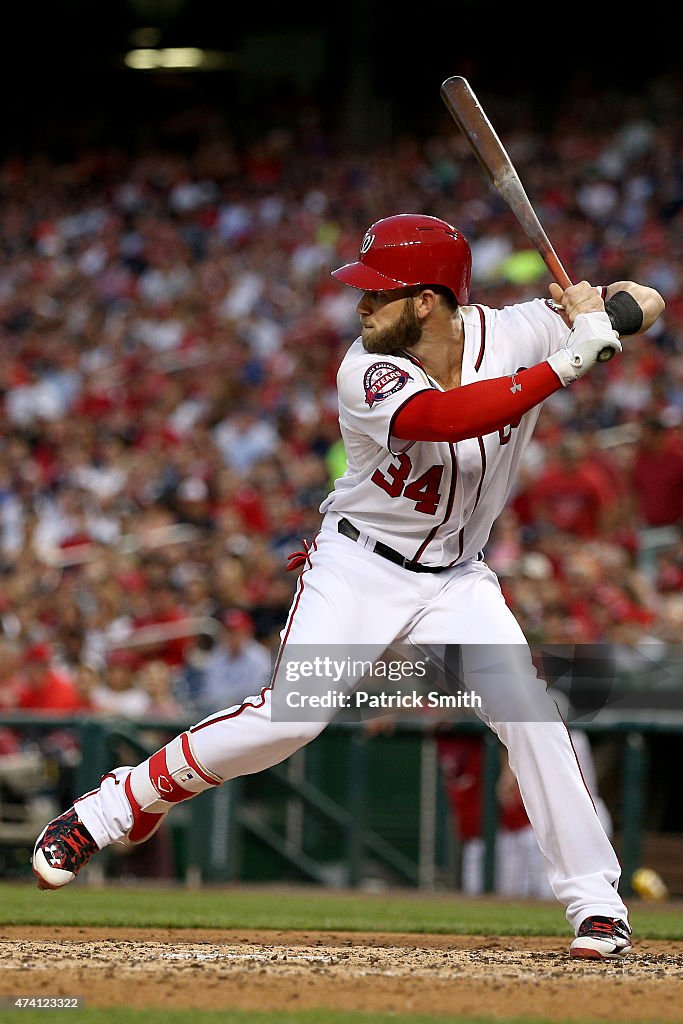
(347, 810)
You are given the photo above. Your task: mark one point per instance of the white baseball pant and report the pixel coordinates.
(350, 597)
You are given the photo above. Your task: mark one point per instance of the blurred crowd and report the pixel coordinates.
(169, 339)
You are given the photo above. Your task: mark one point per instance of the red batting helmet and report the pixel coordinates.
(411, 249)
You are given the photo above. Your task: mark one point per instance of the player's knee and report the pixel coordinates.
(298, 734)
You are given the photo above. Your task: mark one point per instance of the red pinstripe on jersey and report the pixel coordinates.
(461, 534)
(449, 508)
(482, 345)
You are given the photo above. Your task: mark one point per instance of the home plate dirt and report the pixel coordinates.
(432, 974)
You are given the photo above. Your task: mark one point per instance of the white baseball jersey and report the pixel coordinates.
(436, 502)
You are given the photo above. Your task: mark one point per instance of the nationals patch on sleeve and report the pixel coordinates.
(382, 380)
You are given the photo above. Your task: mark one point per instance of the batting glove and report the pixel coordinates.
(590, 333)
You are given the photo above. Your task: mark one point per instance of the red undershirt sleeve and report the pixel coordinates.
(474, 409)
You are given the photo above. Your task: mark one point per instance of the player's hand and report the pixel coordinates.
(590, 334)
(578, 298)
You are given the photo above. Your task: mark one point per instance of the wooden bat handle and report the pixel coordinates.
(553, 264)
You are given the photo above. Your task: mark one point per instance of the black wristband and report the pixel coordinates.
(624, 313)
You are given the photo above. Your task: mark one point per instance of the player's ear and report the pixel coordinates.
(424, 301)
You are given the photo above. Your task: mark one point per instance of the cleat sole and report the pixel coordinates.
(586, 954)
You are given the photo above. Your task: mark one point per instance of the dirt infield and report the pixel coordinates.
(374, 972)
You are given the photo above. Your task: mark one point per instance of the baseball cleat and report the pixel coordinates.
(601, 938)
(61, 850)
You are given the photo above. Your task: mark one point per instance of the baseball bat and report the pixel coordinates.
(468, 114)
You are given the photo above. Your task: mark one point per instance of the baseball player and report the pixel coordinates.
(437, 400)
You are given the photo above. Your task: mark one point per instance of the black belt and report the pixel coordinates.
(349, 530)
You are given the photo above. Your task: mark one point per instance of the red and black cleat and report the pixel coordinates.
(601, 938)
(61, 850)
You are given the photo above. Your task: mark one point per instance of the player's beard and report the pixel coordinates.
(405, 332)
